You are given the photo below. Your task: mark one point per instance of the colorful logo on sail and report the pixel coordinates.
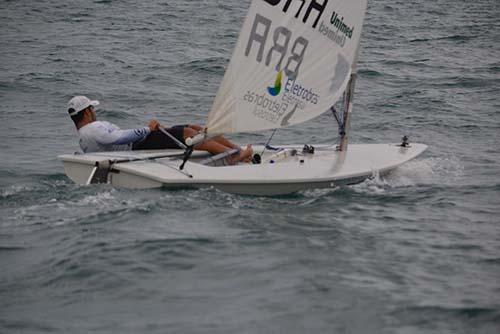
(277, 85)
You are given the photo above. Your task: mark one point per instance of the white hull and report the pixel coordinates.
(325, 168)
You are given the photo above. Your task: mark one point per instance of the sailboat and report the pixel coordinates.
(293, 61)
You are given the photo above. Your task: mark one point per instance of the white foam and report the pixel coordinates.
(444, 170)
(97, 199)
(14, 189)
(315, 193)
(55, 211)
(428, 171)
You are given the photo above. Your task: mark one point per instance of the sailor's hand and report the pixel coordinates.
(153, 125)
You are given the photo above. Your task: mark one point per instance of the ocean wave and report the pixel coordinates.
(458, 38)
(493, 261)
(494, 68)
(4, 249)
(13, 190)
(435, 311)
(419, 63)
(22, 192)
(26, 326)
(61, 202)
(209, 65)
(467, 82)
(369, 73)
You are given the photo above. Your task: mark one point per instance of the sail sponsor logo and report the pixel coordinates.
(275, 109)
(277, 85)
(266, 107)
(337, 30)
(300, 93)
(294, 92)
(338, 23)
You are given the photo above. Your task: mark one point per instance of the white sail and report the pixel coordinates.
(292, 61)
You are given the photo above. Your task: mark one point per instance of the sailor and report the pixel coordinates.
(100, 136)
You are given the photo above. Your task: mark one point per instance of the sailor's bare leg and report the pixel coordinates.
(225, 142)
(208, 145)
(220, 139)
(195, 127)
(218, 145)
(212, 147)
(244, 155)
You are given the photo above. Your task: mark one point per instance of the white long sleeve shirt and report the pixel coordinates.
(105, 136)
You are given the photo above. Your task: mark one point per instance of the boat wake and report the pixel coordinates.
(429, 171)
(54, 202)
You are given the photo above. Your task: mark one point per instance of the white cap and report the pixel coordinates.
(78, 103)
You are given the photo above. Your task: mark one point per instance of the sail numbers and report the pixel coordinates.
(313, 5)
(281, 41)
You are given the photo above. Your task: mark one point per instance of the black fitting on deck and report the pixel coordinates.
(405, 142)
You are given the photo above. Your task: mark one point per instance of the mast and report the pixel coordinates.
(348, 104)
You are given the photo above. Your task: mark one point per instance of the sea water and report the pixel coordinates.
(416, 251)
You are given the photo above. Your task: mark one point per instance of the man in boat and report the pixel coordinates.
(100, 136)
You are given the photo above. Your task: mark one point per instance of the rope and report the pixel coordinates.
(268, 141)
